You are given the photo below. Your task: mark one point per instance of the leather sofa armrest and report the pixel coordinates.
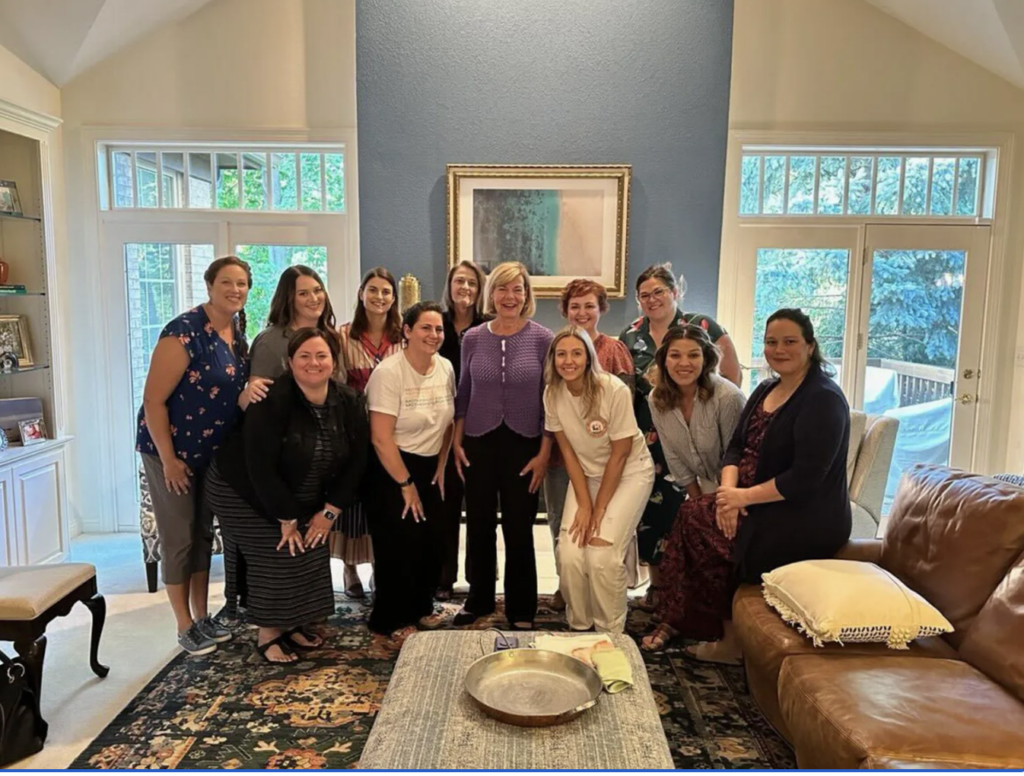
(867, 550)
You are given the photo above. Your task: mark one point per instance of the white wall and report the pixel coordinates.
(236, 69)
(23, 86)
(843, 65)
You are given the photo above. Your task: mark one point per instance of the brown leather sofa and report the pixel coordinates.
(947, 702)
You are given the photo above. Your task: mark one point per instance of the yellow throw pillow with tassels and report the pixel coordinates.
(847, 601)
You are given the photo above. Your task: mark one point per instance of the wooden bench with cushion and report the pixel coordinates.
(32, 596)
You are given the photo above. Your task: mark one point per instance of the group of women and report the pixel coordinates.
(366, 443)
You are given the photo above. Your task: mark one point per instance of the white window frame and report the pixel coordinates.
(106, 287)
(995, 394)
(984, 157)
(107, 150)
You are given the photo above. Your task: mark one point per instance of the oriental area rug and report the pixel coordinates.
(232, 710)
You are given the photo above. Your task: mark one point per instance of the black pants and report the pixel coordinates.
(496, 459)
(406, 552)
(454, 495)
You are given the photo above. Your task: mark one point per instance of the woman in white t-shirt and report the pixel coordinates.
(411, 398)
(611, 474)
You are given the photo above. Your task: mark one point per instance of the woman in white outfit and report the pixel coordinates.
(610, 478)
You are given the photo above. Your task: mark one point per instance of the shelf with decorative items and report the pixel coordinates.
(34, 511)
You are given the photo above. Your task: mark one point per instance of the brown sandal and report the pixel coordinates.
(659, 638)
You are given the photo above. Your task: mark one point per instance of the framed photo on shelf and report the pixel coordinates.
(561, 221)
(14, 339)
(32, 430)
(10, 202)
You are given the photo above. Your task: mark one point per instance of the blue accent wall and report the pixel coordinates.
(641, 82)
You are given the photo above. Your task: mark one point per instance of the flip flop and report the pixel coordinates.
(312, 637)
(283, 642)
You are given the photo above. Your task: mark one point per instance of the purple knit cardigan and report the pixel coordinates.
(502, 380)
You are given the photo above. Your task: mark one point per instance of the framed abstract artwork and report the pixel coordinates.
(561, 221)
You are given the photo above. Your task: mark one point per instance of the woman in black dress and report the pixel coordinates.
(463, 309)
(783, 496)
(277, 486)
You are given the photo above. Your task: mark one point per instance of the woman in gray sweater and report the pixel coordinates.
(694, 409)
(695, 413)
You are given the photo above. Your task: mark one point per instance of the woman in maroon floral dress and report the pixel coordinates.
(771, 509)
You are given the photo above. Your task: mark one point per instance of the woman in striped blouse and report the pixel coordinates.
(374, 334)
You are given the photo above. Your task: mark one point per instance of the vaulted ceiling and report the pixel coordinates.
(61, 38)
(988, 32)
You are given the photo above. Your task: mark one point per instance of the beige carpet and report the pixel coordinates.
(138, 640)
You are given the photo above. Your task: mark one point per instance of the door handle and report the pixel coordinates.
(967, 399)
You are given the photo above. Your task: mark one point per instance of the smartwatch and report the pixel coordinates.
(405, 483)
(331, 515)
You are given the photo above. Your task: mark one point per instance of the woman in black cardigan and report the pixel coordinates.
(784, 495)
(277, 486)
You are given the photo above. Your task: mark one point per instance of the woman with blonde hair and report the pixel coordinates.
(501, 451)
(582, 304)
(374, 334)
(610, 473)
(463, 309)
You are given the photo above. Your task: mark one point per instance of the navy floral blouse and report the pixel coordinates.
(204, 406)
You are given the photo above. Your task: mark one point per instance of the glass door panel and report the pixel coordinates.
(812, 279)
(811, 268)
(270, 249)
(923, 289)
(267, 262)
(163, 281)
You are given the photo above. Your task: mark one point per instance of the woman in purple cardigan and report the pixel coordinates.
(501, 452)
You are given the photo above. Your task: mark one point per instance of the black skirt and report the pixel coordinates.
(282, 591)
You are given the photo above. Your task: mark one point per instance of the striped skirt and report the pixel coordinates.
(281, 591)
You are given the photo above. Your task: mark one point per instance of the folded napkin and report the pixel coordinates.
(579, 647)
(611, 664)
(613, 667)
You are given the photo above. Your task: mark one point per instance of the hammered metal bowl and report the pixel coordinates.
(532, 687)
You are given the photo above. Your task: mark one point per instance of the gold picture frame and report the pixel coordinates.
(561, 221)
(14, 339)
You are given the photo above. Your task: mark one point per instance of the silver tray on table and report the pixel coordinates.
(532, 687)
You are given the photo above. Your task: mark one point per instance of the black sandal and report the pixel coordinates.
(283, 642)
(287, 636)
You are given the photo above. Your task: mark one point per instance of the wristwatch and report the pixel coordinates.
(406, 483)
(331, 515)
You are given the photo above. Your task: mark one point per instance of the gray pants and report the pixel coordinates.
(184, 522)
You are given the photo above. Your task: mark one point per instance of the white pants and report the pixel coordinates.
(593, 578)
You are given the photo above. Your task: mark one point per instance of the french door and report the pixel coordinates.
(160, 268)
(898, 310)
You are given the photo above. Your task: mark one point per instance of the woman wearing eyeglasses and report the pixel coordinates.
(660, 296)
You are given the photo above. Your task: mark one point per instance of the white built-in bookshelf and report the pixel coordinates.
(33, 477)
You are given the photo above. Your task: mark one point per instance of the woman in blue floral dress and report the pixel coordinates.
(195, 390)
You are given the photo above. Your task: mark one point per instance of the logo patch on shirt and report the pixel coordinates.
(597, 427)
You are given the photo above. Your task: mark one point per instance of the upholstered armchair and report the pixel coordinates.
(872, 441)
(151, 537)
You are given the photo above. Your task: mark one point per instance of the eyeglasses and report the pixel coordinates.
(657, 293)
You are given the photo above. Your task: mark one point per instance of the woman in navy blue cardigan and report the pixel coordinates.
(784, 495)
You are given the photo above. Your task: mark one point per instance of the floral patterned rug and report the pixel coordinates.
(232, 710)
